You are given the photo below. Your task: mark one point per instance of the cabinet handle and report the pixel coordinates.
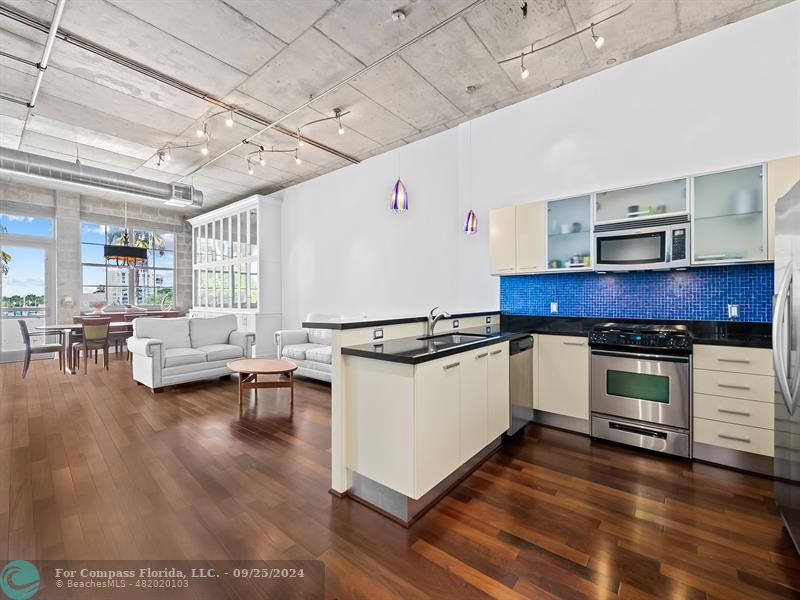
(574, 344)
(711, 256)
(728, 411)
(734, 438)
(743, 361)
(733, 387)
(530, 268)
(451, 366)
(503, 270)
(495, 352)
(484, 355)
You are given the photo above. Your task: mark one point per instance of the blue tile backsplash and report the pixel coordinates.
(700, 294)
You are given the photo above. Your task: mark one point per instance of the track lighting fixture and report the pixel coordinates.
(204, 149)
(167, 154)
(201, 131)
(258, 154)
(338, 114)
(160, 159)
(261, 160)
(249, 167)
(229, 119)
(598, 40)
(297, 158)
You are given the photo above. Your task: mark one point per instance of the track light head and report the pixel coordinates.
(204, 149)
(229, 119)
(297, 158)
(261, 160)
(249, 167)
(300, 141)
(337, 112)
(523, 70)
(201, 131)
(598, 40)
(167, 154)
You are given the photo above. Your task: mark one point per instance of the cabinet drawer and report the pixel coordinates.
(760, 388)
(735, 437)
(735, 410)
(757, 361)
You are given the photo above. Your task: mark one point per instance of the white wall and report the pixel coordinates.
(726, 98)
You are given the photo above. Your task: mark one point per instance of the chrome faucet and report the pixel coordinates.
(434, 319)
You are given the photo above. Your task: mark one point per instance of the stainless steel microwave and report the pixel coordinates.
(651, 246)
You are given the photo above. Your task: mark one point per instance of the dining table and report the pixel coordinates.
(69, 329)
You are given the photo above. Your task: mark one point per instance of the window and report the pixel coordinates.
(24, 225)
(152, 283)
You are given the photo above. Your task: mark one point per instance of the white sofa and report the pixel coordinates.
(309, 349)
(171, 351)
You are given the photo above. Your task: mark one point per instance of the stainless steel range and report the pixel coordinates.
(641, 386)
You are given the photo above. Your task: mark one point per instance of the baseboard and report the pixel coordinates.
(733, 459)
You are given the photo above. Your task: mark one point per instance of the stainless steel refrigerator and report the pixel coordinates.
(786, 355)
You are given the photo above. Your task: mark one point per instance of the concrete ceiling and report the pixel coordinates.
(268, 56)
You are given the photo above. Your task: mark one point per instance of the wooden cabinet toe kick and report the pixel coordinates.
(734, 459)
(405, 510)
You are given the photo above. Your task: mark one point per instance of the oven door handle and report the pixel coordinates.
(678, 359)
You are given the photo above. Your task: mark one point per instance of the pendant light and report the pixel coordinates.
(471, 221)
(399, 200)
(125, 255)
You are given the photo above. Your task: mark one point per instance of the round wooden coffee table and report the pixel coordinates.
(250, 368)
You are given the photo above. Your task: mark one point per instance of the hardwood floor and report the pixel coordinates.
(96, 467)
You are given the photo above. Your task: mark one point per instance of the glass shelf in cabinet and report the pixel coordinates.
(757, 213)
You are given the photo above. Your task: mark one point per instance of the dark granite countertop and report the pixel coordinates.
(412, 351)
(358, 323)
(716, 333)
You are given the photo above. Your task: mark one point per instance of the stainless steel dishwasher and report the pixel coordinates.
(521, 383)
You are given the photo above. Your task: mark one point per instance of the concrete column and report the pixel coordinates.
(68, 255)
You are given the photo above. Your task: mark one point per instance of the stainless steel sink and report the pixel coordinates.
(453, 339)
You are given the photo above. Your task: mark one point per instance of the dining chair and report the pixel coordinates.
(95, 338)
(43, 348)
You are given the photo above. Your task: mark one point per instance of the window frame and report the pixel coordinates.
(133, 278)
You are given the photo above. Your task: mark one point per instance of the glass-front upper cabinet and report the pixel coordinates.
(569, 233)
(728, 216)
(641, 202)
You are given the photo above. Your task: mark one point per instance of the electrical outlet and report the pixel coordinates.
(488, 329)
(553, 308)
(733, 311)
(377, 334)
(488, 320)
(455, 323)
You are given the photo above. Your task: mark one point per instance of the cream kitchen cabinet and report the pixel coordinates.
(517, 239)
(531, 246)
(782, 175)
(503, 240)
(437, 407)
(564, 376)
(412, 426)
(498, 391)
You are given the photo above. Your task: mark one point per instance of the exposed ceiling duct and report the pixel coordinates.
(61, 171)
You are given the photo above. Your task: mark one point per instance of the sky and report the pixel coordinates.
(26, 269)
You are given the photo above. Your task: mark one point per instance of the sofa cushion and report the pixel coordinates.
(322, 355)
(320, 336)
(221, 351)
(313, 366)
(174, 357)
(173, 332)
(214, 330)
(298, 351)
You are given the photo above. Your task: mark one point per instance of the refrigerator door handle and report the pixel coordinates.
(778, 359)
